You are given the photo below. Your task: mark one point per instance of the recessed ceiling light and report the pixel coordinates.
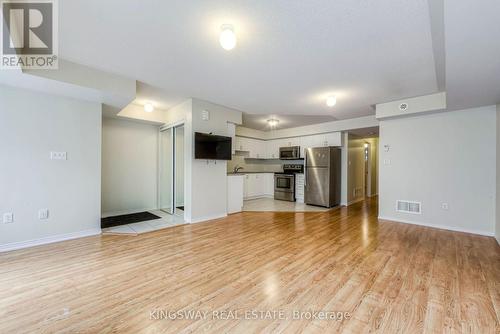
(331, 101)
(227, 38)
(148, 107)
(273, 122)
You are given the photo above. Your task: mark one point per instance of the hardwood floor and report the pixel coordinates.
(389, 277)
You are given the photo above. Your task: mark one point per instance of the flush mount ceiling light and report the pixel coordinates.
(227, 38)
(273, 122)
(331, 101)
(148, 107)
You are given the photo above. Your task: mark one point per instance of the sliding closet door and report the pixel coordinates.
(179, 170)
(167, 170)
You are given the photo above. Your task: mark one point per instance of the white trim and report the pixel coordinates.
(49, 240)
(356, 201)
(249, 198)
(441, 227)
(204, 219)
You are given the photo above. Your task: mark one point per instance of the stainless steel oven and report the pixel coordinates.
(290, 153)
(284, 187)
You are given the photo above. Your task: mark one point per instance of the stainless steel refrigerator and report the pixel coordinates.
(322, 176)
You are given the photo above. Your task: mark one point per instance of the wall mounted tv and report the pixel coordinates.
(211, 147)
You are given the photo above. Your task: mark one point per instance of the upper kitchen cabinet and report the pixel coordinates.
(333, 139)
(241, 144)
(257, 149)
(269, 149)
(273, 149)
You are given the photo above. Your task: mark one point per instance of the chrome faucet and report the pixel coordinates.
(236, 169)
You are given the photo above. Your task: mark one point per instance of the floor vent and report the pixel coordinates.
(409, 207)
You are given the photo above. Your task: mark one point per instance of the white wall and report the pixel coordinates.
(209, 180)
(374, 165)
(442, 158)
(129, 166)
(31, 126)
(497, 230)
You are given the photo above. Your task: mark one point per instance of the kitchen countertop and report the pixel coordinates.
(243, 173)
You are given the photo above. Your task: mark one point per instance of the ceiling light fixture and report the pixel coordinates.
(331, 101)
(148, 107)
(227, 38)
(273, 122)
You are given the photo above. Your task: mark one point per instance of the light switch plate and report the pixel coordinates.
(43, 214)
(58, 156)
(8, 218)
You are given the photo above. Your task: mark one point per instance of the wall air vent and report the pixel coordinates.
(409, 207)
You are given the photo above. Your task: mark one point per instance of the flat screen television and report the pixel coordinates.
(211, 147)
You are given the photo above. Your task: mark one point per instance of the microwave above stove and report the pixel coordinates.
(290, 153)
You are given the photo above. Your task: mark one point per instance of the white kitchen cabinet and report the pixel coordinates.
(235, 191)
(299, 188)
(273, 149)
(239, 143)
(257, 185)
(268, 184)
(287, 142)
(257, 149)
(334, 139)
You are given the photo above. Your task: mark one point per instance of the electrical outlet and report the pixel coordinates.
(58, 156)
(445, 206)
(8, 218)
(387, 161)
(43, 214)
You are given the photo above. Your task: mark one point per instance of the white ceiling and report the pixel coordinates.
(259, 121)
(291, 54)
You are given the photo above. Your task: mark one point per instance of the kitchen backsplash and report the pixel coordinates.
(256, 165)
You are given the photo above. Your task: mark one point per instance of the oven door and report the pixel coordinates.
(284, 187)
(283, 182)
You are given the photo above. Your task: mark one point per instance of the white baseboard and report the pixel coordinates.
(207, 218)
(125, 212)
(49, 240)
(257, 197)
(356, 201)
(441, 227)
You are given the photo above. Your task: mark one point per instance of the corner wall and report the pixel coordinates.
(441, 158)
(209, 178)
(31, 126)
(129, 166)
(497, 229)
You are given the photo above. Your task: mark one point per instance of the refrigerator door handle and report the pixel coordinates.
(305, 169)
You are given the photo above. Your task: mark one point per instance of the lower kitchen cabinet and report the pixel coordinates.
(258, 185)
(299, 188)
(235, 189)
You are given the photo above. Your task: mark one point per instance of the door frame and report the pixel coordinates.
(368, 168)
(164, 128)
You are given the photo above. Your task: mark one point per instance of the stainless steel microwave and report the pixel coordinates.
(290, 153)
